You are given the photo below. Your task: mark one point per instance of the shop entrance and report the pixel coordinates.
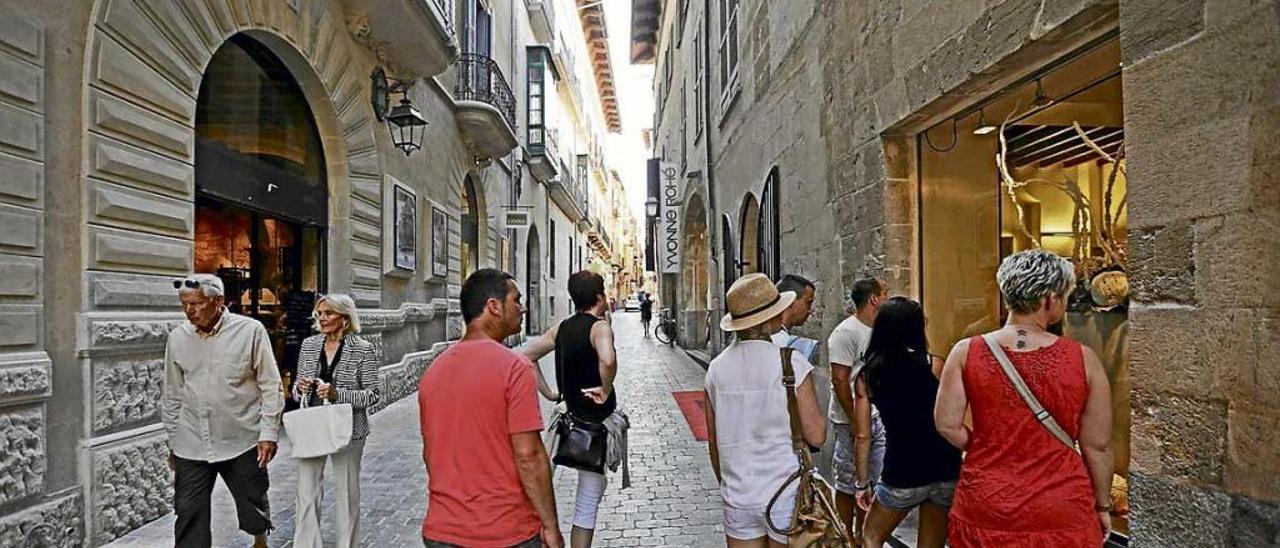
(696, 329)
(533, 283)
(1038, 165)
(261, 193)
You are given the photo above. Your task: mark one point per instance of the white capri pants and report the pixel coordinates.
(590, 490)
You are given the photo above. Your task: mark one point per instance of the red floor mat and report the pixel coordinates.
(694, 406)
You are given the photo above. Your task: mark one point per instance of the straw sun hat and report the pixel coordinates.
(753, 300)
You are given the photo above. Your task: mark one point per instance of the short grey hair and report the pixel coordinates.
(1027, 277)
(342, 304)
(210, 285)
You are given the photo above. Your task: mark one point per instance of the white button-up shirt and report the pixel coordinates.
(221, 389)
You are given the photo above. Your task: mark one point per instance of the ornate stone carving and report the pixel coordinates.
(131, 332)
(401, 379)
(25, 375)
(126, 392)
(384, 320)
(453, 327)
(22, 459)
(56, 523)
(132, 485)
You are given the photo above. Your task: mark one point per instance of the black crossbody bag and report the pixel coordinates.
(581, 443)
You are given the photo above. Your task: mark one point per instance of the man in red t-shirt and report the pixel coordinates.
(488, 474)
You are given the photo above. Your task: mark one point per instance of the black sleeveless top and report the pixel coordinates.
(578, 367)
(915, 453)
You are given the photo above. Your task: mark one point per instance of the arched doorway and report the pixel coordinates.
(695, 275)
(750, 240)
(261, 198)
(533, 282)
(770, 237)
(472, 216)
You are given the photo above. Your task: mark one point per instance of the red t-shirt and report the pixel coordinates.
(470, 401)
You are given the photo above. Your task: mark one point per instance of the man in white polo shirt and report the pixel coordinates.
(221, 409)
(847, 344)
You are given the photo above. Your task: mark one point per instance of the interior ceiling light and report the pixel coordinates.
(983, 127)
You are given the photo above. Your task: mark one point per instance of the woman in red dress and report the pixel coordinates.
(1019, 485)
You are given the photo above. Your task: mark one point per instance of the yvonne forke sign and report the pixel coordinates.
(671, 198)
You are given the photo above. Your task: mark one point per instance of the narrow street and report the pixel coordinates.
(673, 500)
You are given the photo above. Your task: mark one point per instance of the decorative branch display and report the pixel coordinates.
(1085, 229)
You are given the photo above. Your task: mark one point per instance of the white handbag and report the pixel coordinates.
(319, 430)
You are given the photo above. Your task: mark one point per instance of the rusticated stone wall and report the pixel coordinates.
(54, 524)
(22, 458)
(126, 391)
(132, 485)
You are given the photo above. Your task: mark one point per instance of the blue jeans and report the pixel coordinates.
(844, 453)
(939, 493)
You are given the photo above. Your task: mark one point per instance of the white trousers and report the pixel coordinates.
(346, 478)
(590, 490)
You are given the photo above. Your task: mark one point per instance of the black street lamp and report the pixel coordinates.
(407, 126)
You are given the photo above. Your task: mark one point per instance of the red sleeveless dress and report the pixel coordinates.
(1019, 486)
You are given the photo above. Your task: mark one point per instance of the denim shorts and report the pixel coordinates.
(843, 455)
(894, 498)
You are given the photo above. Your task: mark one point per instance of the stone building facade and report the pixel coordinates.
(881, 117)
(140, 141)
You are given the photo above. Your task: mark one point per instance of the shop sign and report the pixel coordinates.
(672, 201)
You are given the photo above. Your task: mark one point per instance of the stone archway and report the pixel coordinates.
(694, 275)
(144, 65)
(474, 221)
(749, 242)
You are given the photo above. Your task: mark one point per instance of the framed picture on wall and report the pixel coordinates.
(439, 243)
(406, 229)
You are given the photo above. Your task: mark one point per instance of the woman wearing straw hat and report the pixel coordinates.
(748, 426)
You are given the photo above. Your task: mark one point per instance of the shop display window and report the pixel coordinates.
(1040, 164)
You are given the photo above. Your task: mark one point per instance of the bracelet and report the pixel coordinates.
(1103, 507)
(859, 486)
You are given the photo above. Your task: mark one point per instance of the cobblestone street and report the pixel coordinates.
(673, 500)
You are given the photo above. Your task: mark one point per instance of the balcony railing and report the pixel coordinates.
(480, 79)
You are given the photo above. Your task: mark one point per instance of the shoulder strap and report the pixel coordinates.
(793, 409)
(1041, 414)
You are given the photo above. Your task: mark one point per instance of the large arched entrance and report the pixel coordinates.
(695, 275)
(261, 197)
(533, 282)
(472, 217)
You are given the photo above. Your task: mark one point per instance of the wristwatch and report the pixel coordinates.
(859, 486)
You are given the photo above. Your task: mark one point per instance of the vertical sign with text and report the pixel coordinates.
(672, 200)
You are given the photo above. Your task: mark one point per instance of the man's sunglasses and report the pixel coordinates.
(190, 284)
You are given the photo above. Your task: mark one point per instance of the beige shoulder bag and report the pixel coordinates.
(814, 522)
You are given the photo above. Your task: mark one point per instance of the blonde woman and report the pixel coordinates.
(338, 367)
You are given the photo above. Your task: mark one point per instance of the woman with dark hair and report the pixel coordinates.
(920, 468)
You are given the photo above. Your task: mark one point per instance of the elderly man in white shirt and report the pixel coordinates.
(221, 411)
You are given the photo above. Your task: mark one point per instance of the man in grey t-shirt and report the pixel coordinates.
(846, 346)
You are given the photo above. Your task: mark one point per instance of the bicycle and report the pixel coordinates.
(665, 331)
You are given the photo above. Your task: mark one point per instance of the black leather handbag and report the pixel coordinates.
(581, 444)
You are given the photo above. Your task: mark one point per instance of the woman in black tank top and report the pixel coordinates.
(920, 466)
(578, 367)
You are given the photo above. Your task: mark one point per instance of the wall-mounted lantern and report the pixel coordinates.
(407, 126)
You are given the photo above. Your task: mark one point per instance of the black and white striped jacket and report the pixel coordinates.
(356, 377)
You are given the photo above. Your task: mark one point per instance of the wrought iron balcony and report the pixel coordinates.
(486, 108)
(544, 157)
(569, 193)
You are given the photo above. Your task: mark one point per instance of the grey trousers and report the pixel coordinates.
(346, 479)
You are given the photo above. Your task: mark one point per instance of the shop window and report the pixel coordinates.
(1059, 137)
(551, 251)
(261, 205)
